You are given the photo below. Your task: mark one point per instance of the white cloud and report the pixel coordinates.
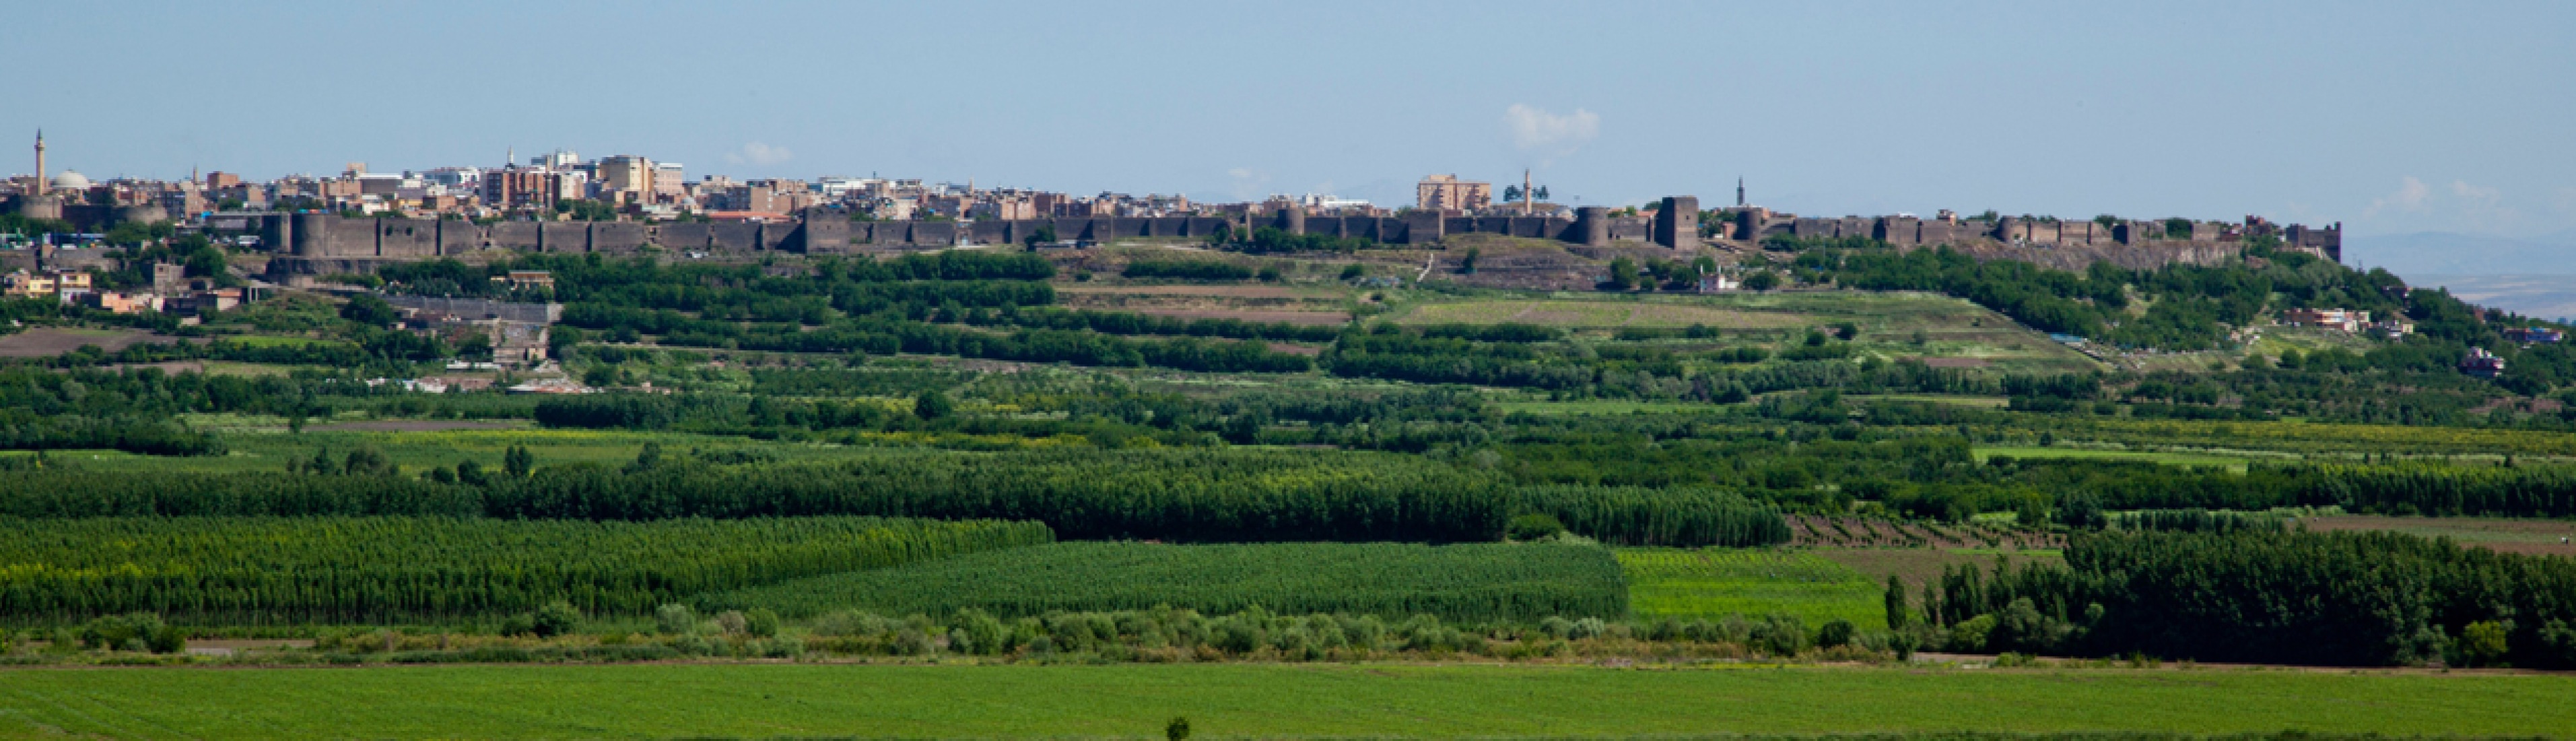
(2410, 196)
(1535, 128)
(2484, 207)
(1247, 183)
(759, 154)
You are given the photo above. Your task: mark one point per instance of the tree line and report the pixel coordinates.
(1179, 495)
(262, 570)
(2340, 598)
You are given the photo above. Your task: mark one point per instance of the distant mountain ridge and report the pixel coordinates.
(2450, 253)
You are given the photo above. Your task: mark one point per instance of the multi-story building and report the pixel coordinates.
(559, 159)
(669, 182)
(1006, 208)
(626, 178)
(519, 188)
(775, 196)
(23, 284)
(1446, 193)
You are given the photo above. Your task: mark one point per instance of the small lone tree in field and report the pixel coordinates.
(517, 462)
(1177, 730)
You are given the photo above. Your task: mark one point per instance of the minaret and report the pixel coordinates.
(1528, 197)
(40, 162)
(1739, 191)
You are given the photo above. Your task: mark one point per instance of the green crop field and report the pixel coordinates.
(1393, 580)
(1248, 701)
(1713, 583)
(292, 570)
(2234, 463)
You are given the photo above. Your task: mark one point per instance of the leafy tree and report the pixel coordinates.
(932, 405)
(518, 463)
(1467, 264)
(1762, 281)
(1623, 274)
(675, 619)
(207, 263)
(760, 622)
(1836, 632)
(1899, 614)
(370, 310)
(1534, 526)
(368, 461)
(2484, 642)
(647, 459)
(554, 618)
(1044, 234)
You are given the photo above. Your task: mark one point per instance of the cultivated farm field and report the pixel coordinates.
(1861, 532)
(1915, 566)
(51, 341)
(1711, 584)
(2544, 537)
(1391, 580)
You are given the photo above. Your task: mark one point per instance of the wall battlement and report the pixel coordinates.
(310, 243)
(1755, 225)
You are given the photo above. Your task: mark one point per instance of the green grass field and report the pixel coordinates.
(2233, 463)
(1715, 582)
(1475, 581)
(1246, 701)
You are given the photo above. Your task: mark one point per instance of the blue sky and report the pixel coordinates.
(2390, 118)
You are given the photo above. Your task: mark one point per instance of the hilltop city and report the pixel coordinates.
(643, 202)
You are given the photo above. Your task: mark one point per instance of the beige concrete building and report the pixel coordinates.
(1448, 193)
(623, 174)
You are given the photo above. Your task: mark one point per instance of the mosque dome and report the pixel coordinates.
(70, 180)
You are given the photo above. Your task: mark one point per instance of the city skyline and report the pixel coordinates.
(2389, 118)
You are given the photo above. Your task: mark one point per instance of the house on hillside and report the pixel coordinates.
(2343, 319)
(2482, 364)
